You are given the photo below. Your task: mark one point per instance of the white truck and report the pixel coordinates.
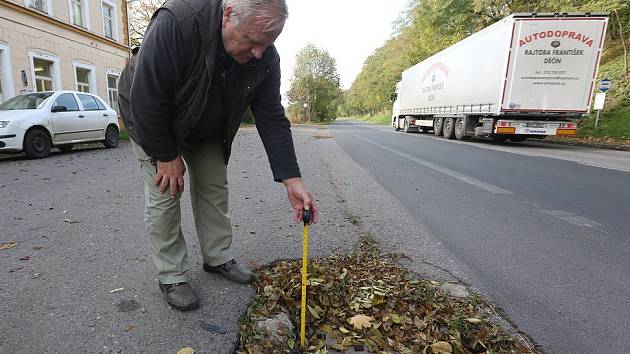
(526, 76)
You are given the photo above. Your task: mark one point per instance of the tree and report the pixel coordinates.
(428, 26)
(140, 12)
(314, 94)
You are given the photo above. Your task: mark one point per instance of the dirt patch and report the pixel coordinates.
(365, 299)
(591, 141)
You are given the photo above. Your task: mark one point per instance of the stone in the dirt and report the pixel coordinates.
(455, 290)
(331, 342)
(276, 329)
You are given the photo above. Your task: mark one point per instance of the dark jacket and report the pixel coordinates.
(165, 88)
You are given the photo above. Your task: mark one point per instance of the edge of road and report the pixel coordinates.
(585, 141)
(423, 254)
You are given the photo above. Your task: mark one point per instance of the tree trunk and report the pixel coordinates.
(623, 43)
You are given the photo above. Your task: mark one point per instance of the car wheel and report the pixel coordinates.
(438, 125)
(65, 148)
(111, 137)
(36, 143)
(449, 128)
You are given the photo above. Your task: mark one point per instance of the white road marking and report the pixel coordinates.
(467, 179)
(576, 219)
(592, 157)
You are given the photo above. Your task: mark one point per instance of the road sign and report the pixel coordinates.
(599, 100)
(604, 85)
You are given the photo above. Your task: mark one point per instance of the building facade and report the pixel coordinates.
(63, 45)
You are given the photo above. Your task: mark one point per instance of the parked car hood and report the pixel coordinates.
(17, 114)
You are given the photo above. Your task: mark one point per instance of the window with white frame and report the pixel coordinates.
(109, 20)
(2, 74)
(43, 75)
(78, 13)
(41, 5)
(1, 81)
(83, 79)
(6, 81)
(84, 76)
(112, 91)
(45, 71)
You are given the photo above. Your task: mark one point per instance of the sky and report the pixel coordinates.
(350, 30)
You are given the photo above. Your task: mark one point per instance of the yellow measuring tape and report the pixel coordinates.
(306, 217)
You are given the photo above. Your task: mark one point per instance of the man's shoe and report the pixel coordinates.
(232, 270)
(180, 295)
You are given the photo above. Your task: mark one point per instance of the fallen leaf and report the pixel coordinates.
(291, 343)
(116, 290)
(7, 245)
(441, 347)
(473, 320)
(25, 258)
(186, 350)
(326, 328)
(70, 221)
(361, 321)
(420, 324)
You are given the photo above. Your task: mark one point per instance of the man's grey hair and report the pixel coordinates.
(269, 14)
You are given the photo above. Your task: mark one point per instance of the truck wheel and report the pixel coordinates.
(406, 125)
(460, 129)
(36, 143)
(438, 125)
(499, 138)
(396, 128)
(449, 128)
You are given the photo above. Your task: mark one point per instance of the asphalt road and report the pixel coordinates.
(543, 238)
(542, 230)
(77, 219)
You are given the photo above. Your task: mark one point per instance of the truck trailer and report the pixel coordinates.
(527, 76)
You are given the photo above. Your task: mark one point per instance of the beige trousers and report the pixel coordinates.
(208, 188)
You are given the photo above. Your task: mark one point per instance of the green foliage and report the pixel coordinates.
(379, 118)
(611, 125)
(429, 26)
(315, 82)
(248, 117)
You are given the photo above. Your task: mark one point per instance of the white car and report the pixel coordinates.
(35, 122)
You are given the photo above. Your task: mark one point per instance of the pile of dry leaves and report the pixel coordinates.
(365, 299)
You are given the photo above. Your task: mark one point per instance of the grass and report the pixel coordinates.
(614, 125)
(379, 118)
(123, 135)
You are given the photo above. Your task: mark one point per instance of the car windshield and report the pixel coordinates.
(28, 101)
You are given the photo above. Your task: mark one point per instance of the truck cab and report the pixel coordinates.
(395, 107)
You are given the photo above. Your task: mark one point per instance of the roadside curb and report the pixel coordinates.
(621, 146)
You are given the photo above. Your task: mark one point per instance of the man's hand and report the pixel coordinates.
(170, 175)
(300, 198)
